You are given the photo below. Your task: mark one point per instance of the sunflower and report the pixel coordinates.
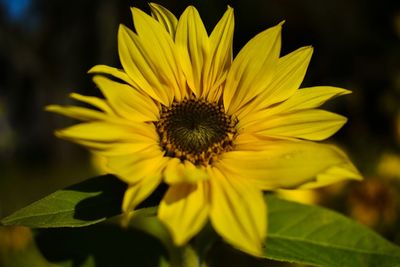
(217, 130)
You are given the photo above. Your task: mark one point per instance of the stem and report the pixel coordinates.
(186, 256)
(189, 257)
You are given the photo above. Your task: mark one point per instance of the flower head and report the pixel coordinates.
(219, 131)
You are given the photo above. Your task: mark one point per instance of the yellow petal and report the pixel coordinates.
(184, 210)
(220, 56)
(178, 172)
(337, 173)
(131, 168)
(116, 73)
(290, 73)
(253, 69)
(313, 124)
(138, 66)
(306, 98)
(108, 138)
(127, 101)
(105, 131)
(165, 17)
(284, 164)
(192, 43)
(139, 191)
(94, 101)
(79, 113)
(159, 48)
(105, 149)
(251, 142)
(238, 212)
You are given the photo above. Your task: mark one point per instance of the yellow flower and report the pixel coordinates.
(219, 131)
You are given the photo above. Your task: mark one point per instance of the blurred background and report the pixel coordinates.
(46, 48)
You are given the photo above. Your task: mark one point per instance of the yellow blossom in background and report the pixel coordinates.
(389, 165)
(219, 131)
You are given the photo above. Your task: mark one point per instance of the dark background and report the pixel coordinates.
(46, 48)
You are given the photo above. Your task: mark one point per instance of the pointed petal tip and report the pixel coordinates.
(191, 10)
(340, 91)
(54, 108)
(48, 107)
(122, 29)
(135, 9)
(308, 47)
(305, 52)
(256, 251)
(230, 13)
(96, 79)
(59, 133)
(73, 95)
(179, 240)
(122, 33)
(51, 108)
(357, 176)
(95, 69)
(152, 4)
(229, 9)
(346, 91)
(90, 71)
(277, 27)
(138, 12)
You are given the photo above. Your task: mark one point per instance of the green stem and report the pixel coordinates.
(186, 256)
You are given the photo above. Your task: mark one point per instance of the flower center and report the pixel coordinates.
(195, 130)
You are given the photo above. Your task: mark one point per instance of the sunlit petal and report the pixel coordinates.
(184, 210)
(139, 191)
(114, 72)
(253, 69)
(140, 69)
(94, 101)
(305, 98)
(79, 113)
(290, 72)
(238, 212)
(178, 172)
(131, 168)
(159, 48)
(192, 44)
(220, 56)
(285, 164)
(126, 101)
(312, 124)
(165, 17)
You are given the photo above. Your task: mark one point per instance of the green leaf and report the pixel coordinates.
(85, 203)
(317, 236)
